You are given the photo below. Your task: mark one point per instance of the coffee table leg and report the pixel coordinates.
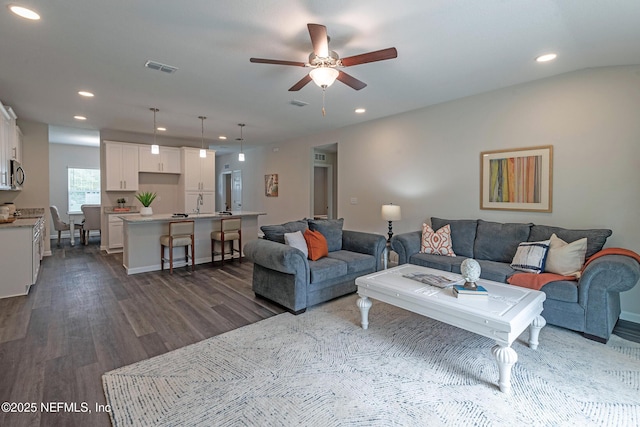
(506, 358)
(534, 331)
(364, 304)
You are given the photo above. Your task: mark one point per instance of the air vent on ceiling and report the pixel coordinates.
(320, 157)
(298, 103)
(169, 69)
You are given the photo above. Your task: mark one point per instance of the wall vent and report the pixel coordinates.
(169, 69)
(298, 103)
(226, 166)
(321, 157)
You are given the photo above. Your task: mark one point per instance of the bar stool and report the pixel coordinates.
(230, 230)
(180, 234)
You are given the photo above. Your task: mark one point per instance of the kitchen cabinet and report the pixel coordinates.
(122, 166)
(20, 260)
(5, 148)
(116, 238)
(167, 161)
(197, 181)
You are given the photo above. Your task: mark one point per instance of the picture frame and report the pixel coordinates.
(271, 185)
(518, 179)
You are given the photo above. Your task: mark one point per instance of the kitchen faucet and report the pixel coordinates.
(199, 202)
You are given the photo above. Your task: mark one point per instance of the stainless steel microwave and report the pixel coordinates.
(17, 175)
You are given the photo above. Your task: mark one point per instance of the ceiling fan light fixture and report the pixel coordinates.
(324, 76)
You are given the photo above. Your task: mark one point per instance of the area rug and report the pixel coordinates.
(321, 368)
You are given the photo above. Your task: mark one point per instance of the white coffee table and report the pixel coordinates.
(503, 316)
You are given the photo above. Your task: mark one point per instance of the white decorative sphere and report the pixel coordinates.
(470, 270)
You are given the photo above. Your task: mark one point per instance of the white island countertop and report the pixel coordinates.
(141, 245)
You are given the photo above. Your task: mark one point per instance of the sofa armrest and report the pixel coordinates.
(599, 291)
(365, 243)
(277, 256)
(405, 245)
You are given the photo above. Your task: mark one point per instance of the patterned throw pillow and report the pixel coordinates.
(436, 242)
(531, 256)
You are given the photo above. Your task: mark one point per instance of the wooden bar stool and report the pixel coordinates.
(181, 233)
(230, 229)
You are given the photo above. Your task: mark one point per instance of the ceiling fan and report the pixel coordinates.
(325, 62)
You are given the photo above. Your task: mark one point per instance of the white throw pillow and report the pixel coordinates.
(296, 240)
(566, 258)
(531, 256)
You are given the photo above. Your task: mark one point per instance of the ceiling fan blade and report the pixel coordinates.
(277, 62)
(302, 83)
(378, 55)
(351, 81)
(319, 40)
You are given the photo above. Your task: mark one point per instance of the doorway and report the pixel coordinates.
(324, 182)
(232, 190)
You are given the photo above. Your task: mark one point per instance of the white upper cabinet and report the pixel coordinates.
(199, 174)
(122, 166)
(167, 161)
(6, 137)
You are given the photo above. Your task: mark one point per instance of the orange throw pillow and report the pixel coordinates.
(317, 244)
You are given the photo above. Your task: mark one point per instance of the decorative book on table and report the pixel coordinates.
(461, 292)
(433, 279)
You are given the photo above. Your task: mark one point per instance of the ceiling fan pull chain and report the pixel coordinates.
(324, 113)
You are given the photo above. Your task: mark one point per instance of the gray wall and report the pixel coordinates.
(428, 160)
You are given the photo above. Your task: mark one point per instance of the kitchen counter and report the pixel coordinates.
(141, 252)
(21, 222)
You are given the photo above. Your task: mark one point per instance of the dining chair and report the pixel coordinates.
(181, 233)
(91, 222)
(229, 230)
(58, 224)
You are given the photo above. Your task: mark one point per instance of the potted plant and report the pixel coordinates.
(146, 197)
(121, 201)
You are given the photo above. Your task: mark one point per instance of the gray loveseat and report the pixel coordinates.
(590, 306)
(284, 275)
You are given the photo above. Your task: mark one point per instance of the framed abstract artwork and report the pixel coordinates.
(519, 179)
(271, 185)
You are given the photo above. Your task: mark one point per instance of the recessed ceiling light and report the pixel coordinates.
(80, 117)
(85, 94)
(546, 57)
(161, 129)
(222, 137)
(360, 110)
(24, 12)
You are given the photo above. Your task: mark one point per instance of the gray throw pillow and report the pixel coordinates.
(276, 232)
(596, 238)
(331, 229)
(463, 234)
(497, 241)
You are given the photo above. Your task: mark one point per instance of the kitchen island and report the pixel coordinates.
(141, 252)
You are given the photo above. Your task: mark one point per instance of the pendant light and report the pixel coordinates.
(241, 155)
(155, 149)
(203, 152)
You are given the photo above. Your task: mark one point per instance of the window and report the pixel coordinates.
(84, 188)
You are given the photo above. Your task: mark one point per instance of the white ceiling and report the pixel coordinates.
(446, 50)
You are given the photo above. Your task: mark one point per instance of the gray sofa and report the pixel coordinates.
(283, 274)
(592, 307)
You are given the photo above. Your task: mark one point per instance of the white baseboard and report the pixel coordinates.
(630, 317)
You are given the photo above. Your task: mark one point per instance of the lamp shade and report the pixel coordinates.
(324, 76)
(391, 212)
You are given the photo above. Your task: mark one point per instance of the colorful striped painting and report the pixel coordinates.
(515, 179)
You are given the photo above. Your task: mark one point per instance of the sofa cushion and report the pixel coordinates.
(499, 241)
(566, 258)
(496, 271)
(296, 240)
(531, 256)
(276, 233)
(562, 290)
(436, 242)
(596, 238)
(316, 244)
(331, 229)
(356, 262)
(326, 269)
(463, 234)
(439, 262)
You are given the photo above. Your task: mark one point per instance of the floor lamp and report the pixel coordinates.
(390, 213)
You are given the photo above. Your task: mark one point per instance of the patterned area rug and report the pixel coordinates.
(322, 369)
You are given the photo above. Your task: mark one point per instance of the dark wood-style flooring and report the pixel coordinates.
(85, 317)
